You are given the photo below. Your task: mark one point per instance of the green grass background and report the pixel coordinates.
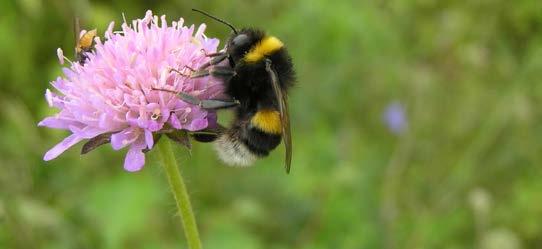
(466, 174)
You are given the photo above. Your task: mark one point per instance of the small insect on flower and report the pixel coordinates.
(108, 97)
(257, 75)
(84, 42)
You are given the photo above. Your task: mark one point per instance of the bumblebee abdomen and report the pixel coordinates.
(263, 132)
(267, 121)
(250, 138)
(232, 150)
(260, 143)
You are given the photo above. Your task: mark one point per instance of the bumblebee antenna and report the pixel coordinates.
(217, 19)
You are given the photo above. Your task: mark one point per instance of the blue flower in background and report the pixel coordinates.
(395, 118)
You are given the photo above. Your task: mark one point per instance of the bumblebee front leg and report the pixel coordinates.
(217, 71)
(212, 104)
(212, 54)
(217, 58)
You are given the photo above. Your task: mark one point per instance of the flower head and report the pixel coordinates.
(115, 90)
(395, 118)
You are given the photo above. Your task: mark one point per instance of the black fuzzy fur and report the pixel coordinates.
(251, 86)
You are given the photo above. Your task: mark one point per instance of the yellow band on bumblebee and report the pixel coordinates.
(267, 121)
(266, 46)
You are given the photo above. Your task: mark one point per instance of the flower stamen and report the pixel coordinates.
(156, 114)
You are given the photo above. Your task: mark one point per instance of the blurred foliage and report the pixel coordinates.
(465, 174)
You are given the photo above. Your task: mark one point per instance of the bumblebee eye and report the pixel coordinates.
(240, 40)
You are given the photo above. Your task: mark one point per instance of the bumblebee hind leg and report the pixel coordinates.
(209, 134)
(204, 138)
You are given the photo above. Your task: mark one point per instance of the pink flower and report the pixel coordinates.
(113, 91)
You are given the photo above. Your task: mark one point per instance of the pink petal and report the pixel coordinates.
(61, 147)
(175, 122)
(56, 123)
(211, 119)
(109, 31)
(200, 30)
(197, 124)
(149, 140)
(52, 99)
(60, 55)
(125, 137)
(49, 97)
(135, 158)
(86, 132)
(154, 126)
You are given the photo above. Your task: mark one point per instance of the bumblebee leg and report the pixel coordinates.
(179, 72)
(212, 104)
(204, 138)
(215, 104)
(200, 73)
(212, 54)
(217, 59)
(189, 68)
(209, 134)
(218, 71)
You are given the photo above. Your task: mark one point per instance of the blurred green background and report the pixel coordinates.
(465, 171)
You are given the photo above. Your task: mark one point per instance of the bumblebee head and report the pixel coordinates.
(240, 44)
(249, 45)
(252, 46)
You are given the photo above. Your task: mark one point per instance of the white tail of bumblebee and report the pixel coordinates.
(233, 152)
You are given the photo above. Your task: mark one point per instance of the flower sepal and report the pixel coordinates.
(179, 136)
(96, 142)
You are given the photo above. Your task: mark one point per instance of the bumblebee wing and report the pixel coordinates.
(284, 114)
(286, 133)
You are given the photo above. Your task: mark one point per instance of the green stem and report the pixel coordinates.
(178, 188)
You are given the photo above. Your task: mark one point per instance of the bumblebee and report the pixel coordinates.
(257, 72)
(84, 42)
